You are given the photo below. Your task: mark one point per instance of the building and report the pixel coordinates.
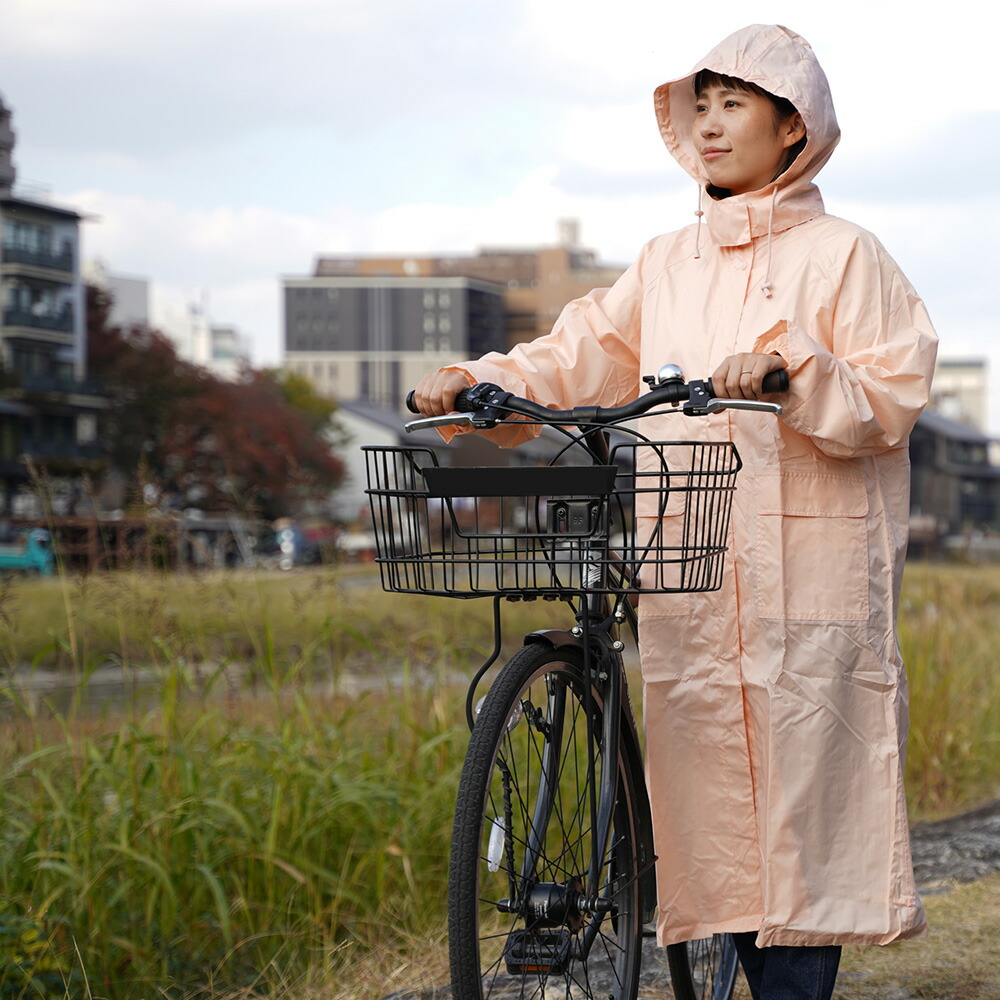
(367, 328)
(371, 338)
(537, 281)
(220, 348)
(228, 351)
(129, 295)
(955, 489)
(48, 408)
(960, 391)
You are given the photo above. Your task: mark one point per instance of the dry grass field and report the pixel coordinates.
(272, 817)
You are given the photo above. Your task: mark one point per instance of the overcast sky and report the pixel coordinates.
(222, 144)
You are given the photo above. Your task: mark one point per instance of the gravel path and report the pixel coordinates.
(960, 849)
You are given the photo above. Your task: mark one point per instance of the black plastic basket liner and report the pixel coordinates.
(660, 513)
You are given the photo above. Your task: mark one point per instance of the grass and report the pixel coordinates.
(275, 822)
(233, 844)
(325, 619)
(949, 626)
(958, 960)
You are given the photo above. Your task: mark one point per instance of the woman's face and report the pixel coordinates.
(737, 140)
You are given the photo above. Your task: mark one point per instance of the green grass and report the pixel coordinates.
(264, 830)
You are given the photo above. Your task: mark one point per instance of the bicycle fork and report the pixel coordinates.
(562, 918)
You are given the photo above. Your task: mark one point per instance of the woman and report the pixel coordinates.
(776, 707)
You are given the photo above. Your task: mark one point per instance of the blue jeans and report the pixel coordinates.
(786, 973)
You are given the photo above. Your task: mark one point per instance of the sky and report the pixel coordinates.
(218, 145)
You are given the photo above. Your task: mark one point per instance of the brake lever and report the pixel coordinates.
(446, 420)
(715, 405)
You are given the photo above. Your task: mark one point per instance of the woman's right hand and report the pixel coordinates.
(435, 393)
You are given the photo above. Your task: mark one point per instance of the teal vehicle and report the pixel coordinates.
(31, 552)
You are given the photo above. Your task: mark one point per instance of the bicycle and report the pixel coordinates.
(551, 877)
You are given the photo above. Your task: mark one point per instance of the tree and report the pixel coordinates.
(144, 379)
(211, 443)
(240, 445)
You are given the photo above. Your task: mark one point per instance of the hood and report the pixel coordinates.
(784, 64)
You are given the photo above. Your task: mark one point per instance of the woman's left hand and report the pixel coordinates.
(741, 376)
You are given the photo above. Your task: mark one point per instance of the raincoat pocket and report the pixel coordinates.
(811, 549)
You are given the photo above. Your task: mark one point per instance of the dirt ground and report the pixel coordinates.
(957, 864)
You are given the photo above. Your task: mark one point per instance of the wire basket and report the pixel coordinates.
(656, 519)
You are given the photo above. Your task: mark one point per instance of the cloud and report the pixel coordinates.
(226, 142)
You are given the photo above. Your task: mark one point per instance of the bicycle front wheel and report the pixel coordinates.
(521, 921)
(704, 969)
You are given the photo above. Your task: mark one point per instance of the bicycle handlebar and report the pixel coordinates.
(484, 405)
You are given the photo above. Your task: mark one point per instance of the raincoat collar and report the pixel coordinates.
(784, 64)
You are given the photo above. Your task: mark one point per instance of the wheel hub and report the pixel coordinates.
(554, 904)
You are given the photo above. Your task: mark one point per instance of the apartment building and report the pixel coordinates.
(48, 409)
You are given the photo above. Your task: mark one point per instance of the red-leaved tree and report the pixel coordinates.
(208, 442)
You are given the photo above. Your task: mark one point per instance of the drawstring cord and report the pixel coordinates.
(697, 232)
(767, 288)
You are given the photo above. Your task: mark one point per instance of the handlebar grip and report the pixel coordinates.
(462, 404)
(776, 381)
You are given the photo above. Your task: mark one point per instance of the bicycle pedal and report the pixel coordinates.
(546, 952)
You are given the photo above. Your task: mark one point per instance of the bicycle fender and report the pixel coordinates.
(554, 637)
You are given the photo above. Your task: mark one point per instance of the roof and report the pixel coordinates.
(13, 201)
(937, 423)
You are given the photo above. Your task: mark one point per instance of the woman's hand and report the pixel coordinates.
(741, 376)
(435, 393)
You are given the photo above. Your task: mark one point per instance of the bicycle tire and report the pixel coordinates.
(704, 969)
(531, 724)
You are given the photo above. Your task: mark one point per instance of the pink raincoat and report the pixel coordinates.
(776, 707)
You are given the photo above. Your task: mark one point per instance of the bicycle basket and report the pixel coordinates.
(552, 530)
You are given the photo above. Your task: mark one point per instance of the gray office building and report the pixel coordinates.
(371, 338)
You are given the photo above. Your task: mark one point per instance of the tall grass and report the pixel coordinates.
(949, 630)
(234, 845)
(263, 820)
(267, 830)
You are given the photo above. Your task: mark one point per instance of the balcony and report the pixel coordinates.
(33, 384)
(53, 449)
(61, 322)
(54, 260)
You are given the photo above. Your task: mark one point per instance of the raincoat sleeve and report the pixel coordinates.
(591, 356)
(861, 369)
